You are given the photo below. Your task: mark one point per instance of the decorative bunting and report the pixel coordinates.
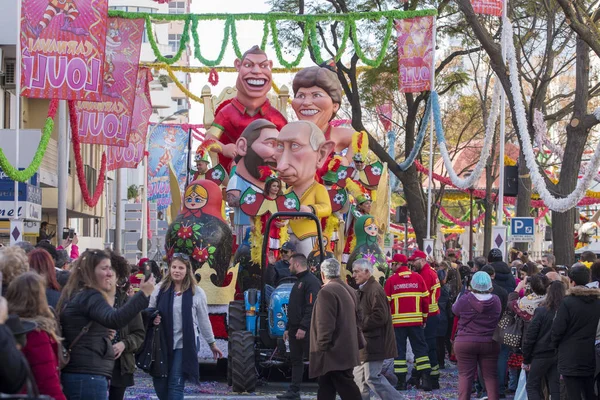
(488, 7)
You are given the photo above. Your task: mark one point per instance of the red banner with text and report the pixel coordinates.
(62, 48)
(109, 121)
(130, 156)
(415, 53)
(488, 7)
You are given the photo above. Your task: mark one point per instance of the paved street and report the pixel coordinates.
(215, 387)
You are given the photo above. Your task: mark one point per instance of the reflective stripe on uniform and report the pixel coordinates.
(400, 367)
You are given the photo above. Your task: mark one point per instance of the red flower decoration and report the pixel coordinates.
(200, 255)
(185, 232)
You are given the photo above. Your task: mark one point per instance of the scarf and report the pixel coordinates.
(530, 303)
(164, 304)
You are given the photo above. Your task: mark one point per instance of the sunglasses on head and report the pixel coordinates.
(181, 256)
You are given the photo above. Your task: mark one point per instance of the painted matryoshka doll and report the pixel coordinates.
(367, 247)
(200, 231)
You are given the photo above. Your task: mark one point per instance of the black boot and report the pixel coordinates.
(426, 382)
(435, 381)
(415, 378)
(401, 385)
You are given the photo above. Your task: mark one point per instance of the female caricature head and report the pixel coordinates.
(371, 227)
(196, 197)
(273, 188)
(317, 95)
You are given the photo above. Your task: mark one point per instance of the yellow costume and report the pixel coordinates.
(316, 196)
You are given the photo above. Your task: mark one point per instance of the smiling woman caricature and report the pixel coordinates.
(317, 98)
(195, 197)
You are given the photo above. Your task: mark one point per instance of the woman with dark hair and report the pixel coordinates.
(127, 340)
(524, 308)
(595, 272)
(86, 312)
(273, 188)
(183, 313)
(41, 262)
(539, 357)
(26, 297)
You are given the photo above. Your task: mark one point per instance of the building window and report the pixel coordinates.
(174, 39)
(177, 7)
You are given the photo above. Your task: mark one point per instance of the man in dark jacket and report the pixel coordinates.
(281, 268)
(334, 336)
(378, 331)
(574, 332)
(504, 277)
(13, 368)
(497, 289)
(302, 298)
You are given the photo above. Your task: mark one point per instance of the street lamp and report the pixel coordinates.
(171, 117)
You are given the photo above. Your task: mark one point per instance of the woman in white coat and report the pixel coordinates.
(183, 318)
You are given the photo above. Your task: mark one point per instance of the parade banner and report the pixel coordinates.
(384, 112)
(130, 156)
(488, 7)
(415, 53)
(108, 122)
(62, 48)
(167, 145)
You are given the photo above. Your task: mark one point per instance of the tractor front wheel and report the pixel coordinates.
(242, 360)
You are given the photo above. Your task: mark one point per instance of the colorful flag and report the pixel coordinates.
(415, 53)
(130, 156)
(488, 7)
(167, 145)
(109, 121)
(62, 48)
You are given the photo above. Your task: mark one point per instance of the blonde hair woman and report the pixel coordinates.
(183, 312)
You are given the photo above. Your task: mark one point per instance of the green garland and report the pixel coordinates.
(185, 38)
(269, 23)
(277, 45)
(23, 176)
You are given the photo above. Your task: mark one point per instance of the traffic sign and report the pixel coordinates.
(522, 229)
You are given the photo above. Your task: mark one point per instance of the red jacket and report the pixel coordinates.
(408, 297)
(41, 353)
(433, 286)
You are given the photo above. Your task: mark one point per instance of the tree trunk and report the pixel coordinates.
(577, 134)
(524, 196)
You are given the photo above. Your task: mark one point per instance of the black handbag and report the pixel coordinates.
(510, 330)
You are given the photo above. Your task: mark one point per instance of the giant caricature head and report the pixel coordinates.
(317, 95)
(256, 146)
(254, 73)
(301, 150)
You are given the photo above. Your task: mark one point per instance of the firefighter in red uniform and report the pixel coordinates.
(433, 318)
(409, 304)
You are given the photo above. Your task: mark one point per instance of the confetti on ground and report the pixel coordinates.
(215, 390)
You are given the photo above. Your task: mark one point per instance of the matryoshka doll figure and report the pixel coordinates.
(367, 247)
(200, 230)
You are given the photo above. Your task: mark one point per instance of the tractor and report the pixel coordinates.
(256, 324)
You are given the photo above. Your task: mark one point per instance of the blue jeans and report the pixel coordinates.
(84, 386)
(171, 387)
(513, 378)
(502, 367)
